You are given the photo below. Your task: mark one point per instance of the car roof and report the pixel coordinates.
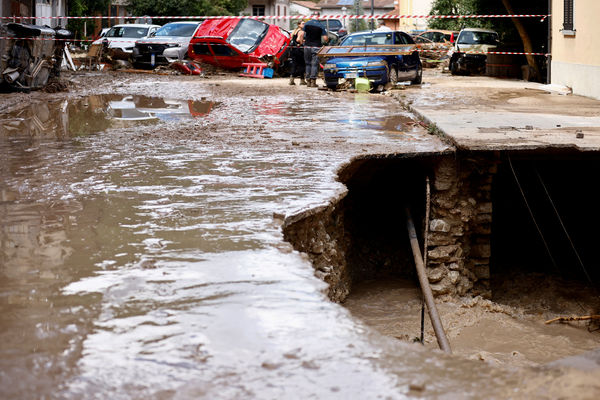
(135, 25)
(374, 31)
(183, 22)
(437, 30)
(479, 30)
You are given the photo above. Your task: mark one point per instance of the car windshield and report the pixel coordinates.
(468, 37)
(127, 31)
(183, 30)
(368, 39)
(247, 34)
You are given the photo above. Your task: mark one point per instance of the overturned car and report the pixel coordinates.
(30, 55)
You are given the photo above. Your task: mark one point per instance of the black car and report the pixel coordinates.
(335, 26)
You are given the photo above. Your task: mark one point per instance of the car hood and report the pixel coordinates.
(272, 42)
(167, 39)
(474, 47)
(118, 42)
(353, 61)
(217, 27)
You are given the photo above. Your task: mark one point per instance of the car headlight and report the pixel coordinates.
(330, 66)
(376, 64)
(174, 45)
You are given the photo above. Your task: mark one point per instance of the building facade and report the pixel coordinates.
(410, 7)
(35, 8)
(278, 8)
(575, 56)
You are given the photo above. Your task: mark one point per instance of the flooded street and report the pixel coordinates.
(141, 253)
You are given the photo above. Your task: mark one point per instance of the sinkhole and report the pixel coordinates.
(493, 215)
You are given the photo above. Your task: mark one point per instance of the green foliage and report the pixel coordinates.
(504, 26)
(185, 7)
(357, 25)
(80, 8)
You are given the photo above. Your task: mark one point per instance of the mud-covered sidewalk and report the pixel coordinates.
(484, 113)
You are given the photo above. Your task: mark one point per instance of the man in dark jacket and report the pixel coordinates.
(314, 36)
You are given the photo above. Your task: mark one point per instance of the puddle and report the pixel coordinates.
(93, 114)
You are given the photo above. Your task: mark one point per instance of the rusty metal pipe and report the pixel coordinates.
(436, 322)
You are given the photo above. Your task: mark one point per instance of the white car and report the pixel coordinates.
(120, 39)
(475, 40)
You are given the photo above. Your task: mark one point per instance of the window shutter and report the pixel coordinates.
(568, 18)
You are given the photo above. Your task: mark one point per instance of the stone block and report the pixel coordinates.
(443, 287)
(484, 219)
(453, 276)
(482, 271)
(454, 266)
(436, 274)
(446, 202)
(439, 225)
(483, 250)
(442, 253)
(485, 208)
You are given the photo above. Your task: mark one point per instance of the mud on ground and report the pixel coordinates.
(507, 330)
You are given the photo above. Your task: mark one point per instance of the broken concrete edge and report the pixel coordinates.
(309, 211)
(481, 146)
(432, 127)
(343, 174)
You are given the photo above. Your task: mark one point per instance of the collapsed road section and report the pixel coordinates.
(491, 213)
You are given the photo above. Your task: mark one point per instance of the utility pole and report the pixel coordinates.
(372, 13)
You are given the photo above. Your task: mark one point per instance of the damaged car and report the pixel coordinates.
(467, 56)
(119, 40)
(30, 55)
(168, 44)
(231, 42)
(382, 57)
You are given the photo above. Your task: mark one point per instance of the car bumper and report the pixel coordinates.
(378, 75)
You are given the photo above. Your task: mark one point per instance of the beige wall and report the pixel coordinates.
(584, 47)
(576, 58)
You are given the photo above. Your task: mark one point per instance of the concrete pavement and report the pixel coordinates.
(484, 113)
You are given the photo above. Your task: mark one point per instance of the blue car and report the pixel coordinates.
(381, 56)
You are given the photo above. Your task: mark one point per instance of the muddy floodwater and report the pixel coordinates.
(141, 254)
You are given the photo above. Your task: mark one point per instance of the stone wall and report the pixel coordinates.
(460, 226)
(321, 235)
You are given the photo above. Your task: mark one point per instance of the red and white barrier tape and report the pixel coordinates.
(295, 17)
(420, 50)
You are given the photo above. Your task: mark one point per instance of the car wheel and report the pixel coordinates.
(393, 76)
(419, 78)
(454, 65)
(331, 84)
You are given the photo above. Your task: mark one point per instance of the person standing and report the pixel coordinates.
(314, 36)
(297, 54)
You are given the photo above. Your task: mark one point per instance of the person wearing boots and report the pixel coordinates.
(297, 54)
(314, 36)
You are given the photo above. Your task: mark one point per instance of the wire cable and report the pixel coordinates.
(531, 214)
(563, 225)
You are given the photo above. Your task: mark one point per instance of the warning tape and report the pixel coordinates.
(487, 52)
(294, 17)
(142, 41)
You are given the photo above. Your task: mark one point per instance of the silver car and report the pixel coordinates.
(169, 43)
(120, 39)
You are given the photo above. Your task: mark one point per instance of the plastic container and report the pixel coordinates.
(268, 72)
(362, 84)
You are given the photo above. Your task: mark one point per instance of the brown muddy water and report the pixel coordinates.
(141, 254)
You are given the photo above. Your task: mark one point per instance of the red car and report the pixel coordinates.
(230, 42)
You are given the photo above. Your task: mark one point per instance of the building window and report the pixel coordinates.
(568, 16)
(278, 10)
(258, 11)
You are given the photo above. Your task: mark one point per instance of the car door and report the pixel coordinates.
(407, 64)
